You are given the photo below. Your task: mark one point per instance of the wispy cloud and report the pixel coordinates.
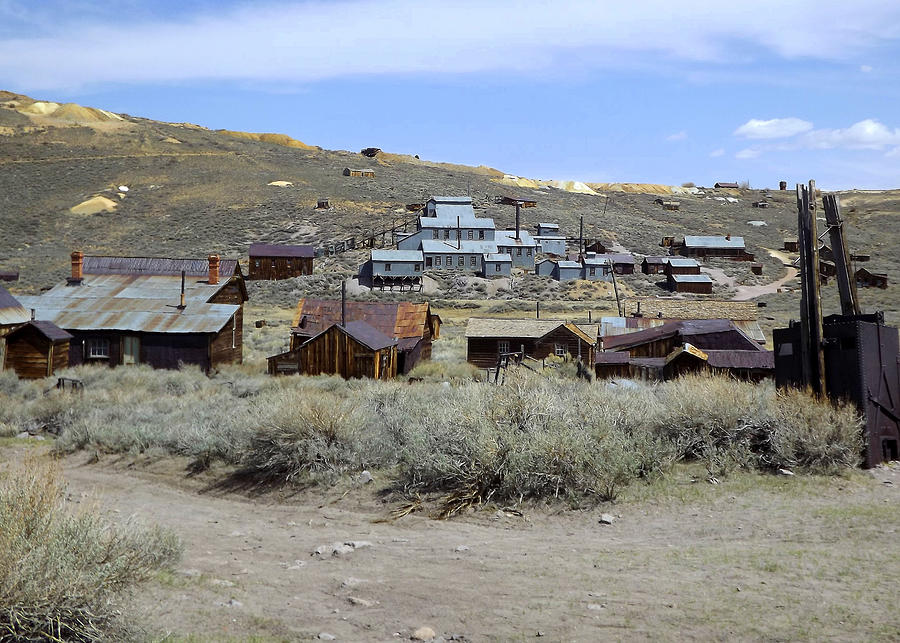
(773, 128)
(305, 41)
(865, 68)
(748, 153)
(867, 134)
(677, 136)
(717, 153)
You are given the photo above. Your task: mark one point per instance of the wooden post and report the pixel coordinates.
(803, 245)
(846, 283)
(811, 350)
(816, 311)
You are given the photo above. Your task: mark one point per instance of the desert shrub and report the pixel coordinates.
(62, 573)
(445, 371)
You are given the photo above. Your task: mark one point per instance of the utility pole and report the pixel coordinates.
(811, 352)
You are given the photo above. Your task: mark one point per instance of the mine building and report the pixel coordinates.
(274, 261)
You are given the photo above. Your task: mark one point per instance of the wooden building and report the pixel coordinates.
(37, 349)
(654, 265)
(12, 315)
(697, 284)
(867, 279)
(622, 262)
(9, 275)
(274, 261)
(668, 204)
(358, 172)
(660, 341)
(414, 326)
(488, 339)
(681, 266)
(354, 350)
(728, 247)
(596, 246)
(146, 310)
(726, 185)
(791, 245)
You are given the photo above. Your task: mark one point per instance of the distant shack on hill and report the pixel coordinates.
(357, 172)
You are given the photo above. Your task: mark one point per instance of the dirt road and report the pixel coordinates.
(744, 293)
(759, 557)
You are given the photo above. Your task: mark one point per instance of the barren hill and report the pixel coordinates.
(191, 191)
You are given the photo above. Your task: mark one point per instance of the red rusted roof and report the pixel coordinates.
(401, 320)
(704, 333)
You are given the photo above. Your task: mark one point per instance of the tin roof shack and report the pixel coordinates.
(567, 270)
(487, 339)
(391, 269)
(622, 262)
(12, 315)
(679, 266)
(696, 284)
(358, 172)
(660, 341)
(727, 246)
(496, 265)
(129, 310)
(37, 349)
(866, 279)
(547, 229)
(726, 184)
(596, 267)
(9, 275)
(519, 245)
(654, 265)
(354, 350)
(413, 325)
(273, 262)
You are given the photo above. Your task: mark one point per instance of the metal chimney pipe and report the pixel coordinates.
(518, 205)
(181, 305)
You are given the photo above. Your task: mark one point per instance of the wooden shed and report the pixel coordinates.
(9, 275)
(654, 265)
(681, 266)
(697, 284)
(867, 279)
(37, 349)
(274, 261)
(12, 315)
(357, 172)
(355, 350)
(791, 245)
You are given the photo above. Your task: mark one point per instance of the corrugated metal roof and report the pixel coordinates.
(432, 246)
(656, 260)
(696, 279)
(568, 264)
(682, 263)
(713, 242)
(449, 211)
(130, 286)
(11, 310)
(526, 328)
(276, 250)
(616, 257)
(741, 359)
(451, 199)
(597, 260)
(139, 315)
(400, 319)
(710, 328)
(508, 238)
(555, 226)
(94, 265)
(498, 257)
(397, 255)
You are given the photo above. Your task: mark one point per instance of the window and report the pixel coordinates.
(449, 261)
(471, 234)
(131, 349)
(446, 234)
(503, 346)
(518, 252)
(593, 271)
(528, 251)
(428, 262)
(496, 267)
(417, 267)
(559, 350)
(481, 235)
(471, 262)
(461, 261)
(256, 262)
(233, 332)
(98, 348)
(387, 267)
(437, 260)
(434, 234)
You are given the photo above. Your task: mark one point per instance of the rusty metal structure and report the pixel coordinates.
(851, 356)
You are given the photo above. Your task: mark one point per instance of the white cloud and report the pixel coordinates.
(296, 42)
(717, 153)
(866, 134)
(748, 153)
(773, 128)
(677, 136)
(865, 68)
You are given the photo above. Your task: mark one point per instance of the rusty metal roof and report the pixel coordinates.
(707, 334)
(137, 286)
(621, 325)
(671, 308)
(132, 314)
(276, 250)
(11, 309)
(612, 357)
(96, 265)
(401, 320)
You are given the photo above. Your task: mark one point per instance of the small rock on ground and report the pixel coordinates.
(325, 636)
(365, 477)
(361, 602)
(607, 519)
(424, 633)
(785, 472)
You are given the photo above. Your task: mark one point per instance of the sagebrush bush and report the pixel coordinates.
(64, 573)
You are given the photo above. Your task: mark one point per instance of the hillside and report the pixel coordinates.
(191, 191)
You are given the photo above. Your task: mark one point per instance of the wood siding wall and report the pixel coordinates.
(221, 351)
(483, 351)
(159, 350)
(33, 356)
(336, 353)
(273, 268)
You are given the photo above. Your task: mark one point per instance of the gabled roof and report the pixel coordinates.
(697, 279)
(692, 241)
(656, 260)
(11, 310)
(48, 329)
(98, 265)
(498, 257)
(397, 255)
(706, 334)
(400, 319)
(527, 328)
(616, 257)
(679, 262)
(366, 335)
(278, 250)
(568, 264)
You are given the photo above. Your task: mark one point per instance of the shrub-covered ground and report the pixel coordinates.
(535, 436)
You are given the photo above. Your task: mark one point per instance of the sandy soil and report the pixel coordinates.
(755, 557)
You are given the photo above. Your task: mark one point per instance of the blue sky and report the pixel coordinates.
(645, 91)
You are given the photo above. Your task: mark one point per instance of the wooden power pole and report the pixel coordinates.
(811, 353)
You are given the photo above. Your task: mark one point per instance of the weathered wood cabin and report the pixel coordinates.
(867, 279)
(9, 275)
(37, 349)
(681, 266)
(488, 339)
(728, 247)
(359, 172)
(146, 310)
(697, 284)
(791, 245)
(654, 265)
(272, 261)
(660, 341)
(414, 326)
(726, 185)
(12, 315)
(354, 350)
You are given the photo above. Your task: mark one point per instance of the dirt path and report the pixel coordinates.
(745, 293)
(754, 557)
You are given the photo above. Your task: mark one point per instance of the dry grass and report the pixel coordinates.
(63, 572)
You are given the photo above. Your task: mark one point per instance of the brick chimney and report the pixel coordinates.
(727, 237)
(213, 269)
(77, 269)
